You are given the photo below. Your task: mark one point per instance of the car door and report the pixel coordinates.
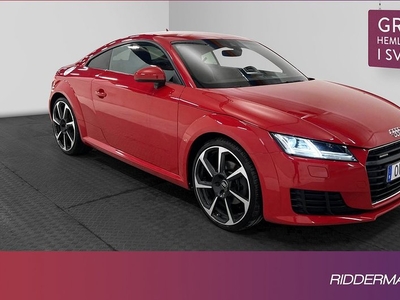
(136, 117)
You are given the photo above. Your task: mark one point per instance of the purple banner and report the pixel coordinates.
(200, 275)
(384, 38)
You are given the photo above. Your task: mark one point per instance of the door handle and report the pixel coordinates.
(101, 93)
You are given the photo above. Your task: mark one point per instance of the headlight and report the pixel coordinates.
(316, 149)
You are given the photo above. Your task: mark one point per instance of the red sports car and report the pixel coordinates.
(229, 118)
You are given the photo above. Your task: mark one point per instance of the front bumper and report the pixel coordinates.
(307, 191)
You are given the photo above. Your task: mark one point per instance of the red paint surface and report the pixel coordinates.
(155, 128)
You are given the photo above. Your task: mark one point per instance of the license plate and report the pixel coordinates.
(393, 172)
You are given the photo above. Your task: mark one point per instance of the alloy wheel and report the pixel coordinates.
(222, 185)
(64, 126)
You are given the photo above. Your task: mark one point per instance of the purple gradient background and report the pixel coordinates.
(373, 32)
(192, 275)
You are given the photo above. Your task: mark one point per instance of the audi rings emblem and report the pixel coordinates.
(394, 132)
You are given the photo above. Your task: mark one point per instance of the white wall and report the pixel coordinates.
(324, 39)
(39, 37)
(327, 40)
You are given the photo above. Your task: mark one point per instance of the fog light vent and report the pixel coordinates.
(307, 202)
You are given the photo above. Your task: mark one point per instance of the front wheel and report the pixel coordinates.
(226, 185)
(65, 128)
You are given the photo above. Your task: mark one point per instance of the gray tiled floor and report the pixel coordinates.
(51, 201)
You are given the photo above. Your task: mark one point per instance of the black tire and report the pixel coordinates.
(65, 128)
(226, 185)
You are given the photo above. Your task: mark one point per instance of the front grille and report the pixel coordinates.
(377, 164)
(319, 203)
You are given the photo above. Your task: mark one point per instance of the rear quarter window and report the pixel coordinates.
(101, 61)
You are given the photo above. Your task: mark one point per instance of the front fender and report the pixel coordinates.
(62, 88)
(255, 141)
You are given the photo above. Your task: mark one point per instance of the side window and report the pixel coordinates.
(129, 58)
(101, 61)
(158, 58)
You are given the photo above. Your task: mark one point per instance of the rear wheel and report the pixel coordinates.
(226, 185)
(65, 128)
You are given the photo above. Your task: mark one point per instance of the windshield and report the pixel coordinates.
(235, 63)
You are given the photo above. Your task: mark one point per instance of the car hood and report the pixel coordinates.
(315, 109)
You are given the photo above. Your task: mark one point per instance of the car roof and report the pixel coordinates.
(184, 35)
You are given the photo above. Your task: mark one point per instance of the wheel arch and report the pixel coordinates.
(196, 146)
(53, 100)
(203, 130)
(64, 90)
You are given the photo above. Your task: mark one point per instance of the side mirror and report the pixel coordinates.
(151, 74)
